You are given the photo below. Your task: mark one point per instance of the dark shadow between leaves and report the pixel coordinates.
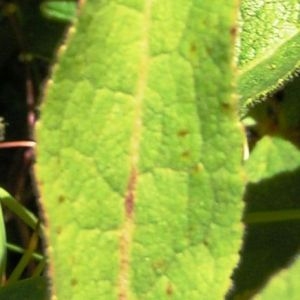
(267, 247)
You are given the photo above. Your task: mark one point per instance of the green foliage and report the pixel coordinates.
(157, 172)
(12, 289)
(270, 43)
(284, 286)
(28, 289)
(270, 157)
(59, 10)
(140, 150)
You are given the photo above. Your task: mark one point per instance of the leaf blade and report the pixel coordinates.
(154, 139)
(270, 41)
(283, 286)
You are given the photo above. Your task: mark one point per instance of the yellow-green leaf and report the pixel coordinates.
(139, 153)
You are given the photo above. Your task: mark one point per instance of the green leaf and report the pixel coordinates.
(272, 215)
(285, 285)
(269, 46)
(137, 185)
(19, 210)
(27, 289)
(272, 156)
(63, 10)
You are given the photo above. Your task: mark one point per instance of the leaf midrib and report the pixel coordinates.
(129, 198)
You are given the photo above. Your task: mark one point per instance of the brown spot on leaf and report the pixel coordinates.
(182, 132)
(225, 105)
(61, 199)
(206, 243)
(58, 230)
(233, 31)
(197, 168)
(169, 289)
(185, 154)
(129, 199)
(193, 48)
(74, 281)
(126, 236)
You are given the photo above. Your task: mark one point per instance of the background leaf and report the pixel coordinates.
(272, 216)
(270, 43)
(285, 285)
(272, 196)
(60, 10)
(137, 187)
(27, 289)
(272, 156)
(268, 247)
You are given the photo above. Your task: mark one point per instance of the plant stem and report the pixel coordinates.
(272, 216)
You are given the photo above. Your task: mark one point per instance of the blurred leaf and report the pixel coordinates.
(63, 10)
(271, 156)
(137, 185)
(269, 46)
(272, 197)
(28, 289)
(268, 247)
(285, 285)
(19, 210)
